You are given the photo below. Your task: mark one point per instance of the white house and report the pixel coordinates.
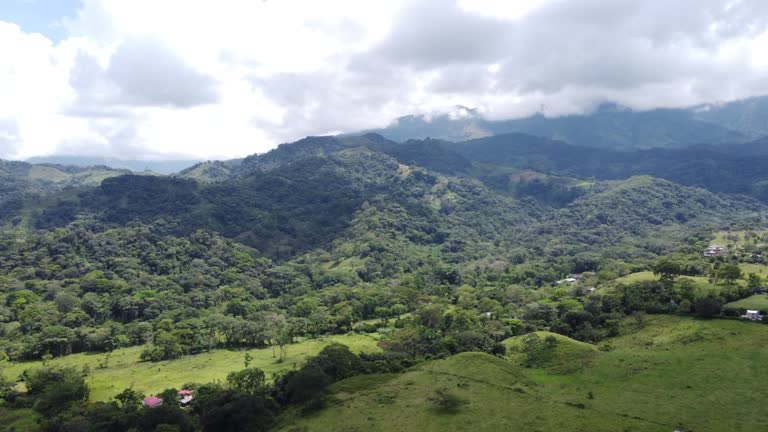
(567, 280)
(753, 315)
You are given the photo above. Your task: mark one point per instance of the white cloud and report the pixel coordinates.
(229, 78)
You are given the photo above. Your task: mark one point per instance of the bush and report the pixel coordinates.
(367, 328)
(446, 401)
(708, 306)
(166, 347)
(338, 362)
(538, 352)
(53, 389)
(250, 380)
(302, 385)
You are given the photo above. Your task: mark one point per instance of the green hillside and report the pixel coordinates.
(671, 373)
(716, 168)
(23, 184)
(114, 372)
(564, 356)
(757, 302)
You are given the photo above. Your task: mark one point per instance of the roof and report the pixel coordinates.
(152, 401)
(185, 392)
(753, 312)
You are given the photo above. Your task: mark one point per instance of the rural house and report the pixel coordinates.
(185, 396)
(151, 402)
(715, 250)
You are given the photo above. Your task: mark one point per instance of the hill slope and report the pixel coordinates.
(674, 373)
(301, 203)
(739, 170)
(749, 116)
(20, 181)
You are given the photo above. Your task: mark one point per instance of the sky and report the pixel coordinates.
(214, 79)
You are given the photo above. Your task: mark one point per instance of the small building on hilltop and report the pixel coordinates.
(753, 315)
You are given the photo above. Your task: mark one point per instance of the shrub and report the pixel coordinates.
(446, 401)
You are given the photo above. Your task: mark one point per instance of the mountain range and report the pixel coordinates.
(461, 249)
(609, 126)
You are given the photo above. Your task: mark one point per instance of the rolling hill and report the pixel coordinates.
(672, 374)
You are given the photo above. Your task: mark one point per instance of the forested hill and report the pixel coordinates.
(20, 181)
(298, 206)
(501, 162)
(738, 169)
(342, 195)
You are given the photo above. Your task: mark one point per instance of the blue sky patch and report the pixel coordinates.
(39, 16)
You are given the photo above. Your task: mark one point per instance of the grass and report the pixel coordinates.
(41, 172)
(649, 276)
(758, 269)
(637, 277)
(757, 302)
(666, 373)
(125, 370)
(702, 282)
(738, 238)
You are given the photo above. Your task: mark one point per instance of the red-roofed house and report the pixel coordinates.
(185, 396)
(152, 402)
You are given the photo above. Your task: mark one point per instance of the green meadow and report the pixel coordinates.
(757, 302)
(111, 374)
(662, 374)
(649, 276)
(738, 238)
(702, 281)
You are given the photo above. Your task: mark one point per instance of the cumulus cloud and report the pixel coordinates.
(142, 72)
(229, 78)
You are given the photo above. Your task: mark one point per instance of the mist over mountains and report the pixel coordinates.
(734, 126)
(609, 126)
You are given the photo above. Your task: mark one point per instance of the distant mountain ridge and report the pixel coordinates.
(520, 163)
(20, 181)
(749, 116)
(609, 126)
(166, 167)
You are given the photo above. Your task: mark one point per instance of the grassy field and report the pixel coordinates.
(674, 372)
(125, 370)
(649, 276)
(758, 269)
(637, 277)
(738, 238)
(757, 301)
